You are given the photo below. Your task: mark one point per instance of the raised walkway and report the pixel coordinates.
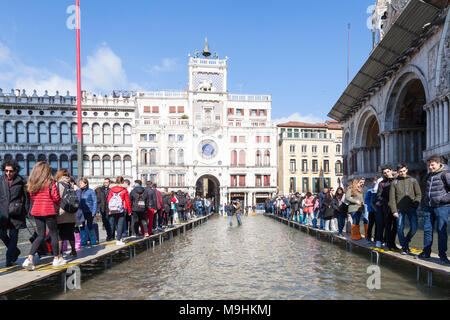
(431, 270)
(16, 277)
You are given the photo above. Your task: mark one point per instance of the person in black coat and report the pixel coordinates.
(139, 207)
(102, 206)
(14, 207)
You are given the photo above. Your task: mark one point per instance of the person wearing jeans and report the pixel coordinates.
(385, 222)
(436, 207)
(404, 198)
(118, 208)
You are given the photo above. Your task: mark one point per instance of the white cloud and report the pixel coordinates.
(299, 118)
(103, 72)
(167, 65)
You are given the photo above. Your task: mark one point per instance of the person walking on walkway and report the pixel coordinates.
(102, 206)
(340, 209)
(404, 199)
(436, 207)
(139, 207)
(66, 220)
(355, 198)
(45, 197)
(159, 208)
(328, 211)
(385, 220)
(308, 208)
(119, 206)
(369, 201)
(88, 206)
(152, 207)
(14, 206)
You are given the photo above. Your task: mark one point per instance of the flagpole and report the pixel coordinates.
(79, 117)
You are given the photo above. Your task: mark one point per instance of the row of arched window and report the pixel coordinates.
(106, 166)
(262, 159)
(27, 162)
(19, 132)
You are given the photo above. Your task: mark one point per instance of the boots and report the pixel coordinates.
(327, 225)
(93, 237)
(83, 235)
(314, 222)
(366, 233)
(356, 234)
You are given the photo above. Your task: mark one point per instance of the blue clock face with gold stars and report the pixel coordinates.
(208, 149)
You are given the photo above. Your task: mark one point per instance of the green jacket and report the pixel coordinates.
(352, 205)
(404, 194)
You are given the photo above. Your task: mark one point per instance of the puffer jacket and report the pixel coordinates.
(88, 200)
(436, 194)
(124, 196)
(63, 216)
(45, 201)
(309, 204)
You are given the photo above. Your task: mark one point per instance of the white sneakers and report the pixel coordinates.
(28, 264)
(120, 243)
(59, 262)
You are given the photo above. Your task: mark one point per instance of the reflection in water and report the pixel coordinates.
(263, 259)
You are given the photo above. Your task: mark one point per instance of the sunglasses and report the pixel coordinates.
(10, 171)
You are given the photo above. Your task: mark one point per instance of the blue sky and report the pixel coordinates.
(295, 51)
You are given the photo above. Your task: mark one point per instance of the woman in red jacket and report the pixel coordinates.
(119, 206)
(45, 197)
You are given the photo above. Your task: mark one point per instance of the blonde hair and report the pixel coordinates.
(40, 175)
(356, 187)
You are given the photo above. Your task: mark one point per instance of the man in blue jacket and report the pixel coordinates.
(436, 206)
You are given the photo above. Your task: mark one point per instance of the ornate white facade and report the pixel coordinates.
(203, 140)
(396, 110)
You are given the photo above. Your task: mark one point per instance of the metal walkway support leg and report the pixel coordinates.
(430, 278)
(418, 273)
(64, 282)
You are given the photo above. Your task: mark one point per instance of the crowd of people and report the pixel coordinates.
(383, 208)
(69, 211)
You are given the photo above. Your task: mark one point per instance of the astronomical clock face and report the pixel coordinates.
(208, 149)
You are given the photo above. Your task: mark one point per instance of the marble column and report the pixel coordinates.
(428, 132)
(395, 145)
(446, 134)
(431, 126)
(382, 149)
(419, 146)
(404, 153)
(441, 122)
(436, 124)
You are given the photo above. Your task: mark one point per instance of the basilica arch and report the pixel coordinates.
(404, 138)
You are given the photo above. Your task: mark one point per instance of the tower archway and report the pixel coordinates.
(208, 186)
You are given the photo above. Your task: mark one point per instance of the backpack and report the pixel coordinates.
(138, 204)
(115, 204)
(69, 199)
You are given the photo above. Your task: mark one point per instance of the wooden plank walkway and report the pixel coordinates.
(16, 277)
(427, 267)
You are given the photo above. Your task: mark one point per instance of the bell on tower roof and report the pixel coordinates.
(206, 53)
